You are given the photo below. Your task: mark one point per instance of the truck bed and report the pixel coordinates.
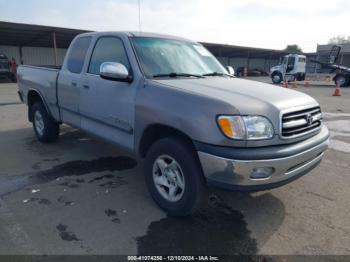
(43, 79)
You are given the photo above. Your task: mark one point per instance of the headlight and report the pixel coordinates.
(246, 127)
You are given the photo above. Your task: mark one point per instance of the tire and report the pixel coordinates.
(343, 80)
(45, 127)
(276, 77)
(301, 77)
(13, 78)
(184, 161)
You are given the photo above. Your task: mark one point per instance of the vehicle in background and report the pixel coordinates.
(251, 72)
(168, 100)
(8, 68)
(293, 67)
(259, 71)
(341, 74)
(5, 70)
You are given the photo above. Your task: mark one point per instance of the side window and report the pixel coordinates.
(291, 61)
(290, 65)
(77, 54)
(108, 49)
(284, 61)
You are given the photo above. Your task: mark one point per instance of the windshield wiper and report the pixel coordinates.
(178, 75)
(217, 74)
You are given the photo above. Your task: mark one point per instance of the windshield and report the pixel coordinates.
(162, 57)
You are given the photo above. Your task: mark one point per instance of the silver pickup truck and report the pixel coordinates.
(169, 101)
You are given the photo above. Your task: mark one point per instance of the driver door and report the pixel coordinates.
(290, 64)
(107, 106)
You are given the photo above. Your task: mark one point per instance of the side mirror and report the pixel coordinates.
(115, 71)
(230, 70)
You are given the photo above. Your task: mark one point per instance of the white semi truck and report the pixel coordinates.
(293, 67)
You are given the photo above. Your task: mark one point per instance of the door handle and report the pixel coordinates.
(74, 84)
(86, 86)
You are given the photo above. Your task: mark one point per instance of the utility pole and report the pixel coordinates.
(139, 4)
(55, 48)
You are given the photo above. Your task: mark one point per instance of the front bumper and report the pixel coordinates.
(235, 174)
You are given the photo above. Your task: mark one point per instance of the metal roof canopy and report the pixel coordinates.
(15, 34)
(243, 51)
(18, 34)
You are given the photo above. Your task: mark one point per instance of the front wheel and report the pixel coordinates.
(174, 176)
(276, 77)
(45, 127)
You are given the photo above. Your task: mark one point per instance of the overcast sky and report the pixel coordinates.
(267, 23)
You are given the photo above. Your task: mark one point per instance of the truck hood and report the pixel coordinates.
(275, 68)
(245, 96)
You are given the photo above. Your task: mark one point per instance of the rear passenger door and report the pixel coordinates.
(107, 106)
(69, 81)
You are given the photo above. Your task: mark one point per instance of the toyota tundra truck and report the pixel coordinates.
(170, 102)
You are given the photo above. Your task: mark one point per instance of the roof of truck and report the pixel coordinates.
(136, 34)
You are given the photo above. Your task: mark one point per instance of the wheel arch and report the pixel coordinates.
(275, 72)
(34, 96)
(154, 132)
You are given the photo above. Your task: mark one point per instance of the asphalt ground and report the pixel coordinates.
(83, 196)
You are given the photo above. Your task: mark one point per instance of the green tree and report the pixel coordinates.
(338, 40)
(294, 49)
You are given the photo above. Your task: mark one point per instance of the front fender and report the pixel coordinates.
(192, 114)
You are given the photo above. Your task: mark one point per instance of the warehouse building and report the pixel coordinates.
(44, 45)
(240, 56)
(35, 45)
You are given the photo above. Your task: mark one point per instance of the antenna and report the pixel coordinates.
(139, 4)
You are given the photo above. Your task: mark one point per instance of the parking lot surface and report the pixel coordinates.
(83, 196)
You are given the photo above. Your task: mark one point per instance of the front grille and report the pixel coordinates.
(301, 122)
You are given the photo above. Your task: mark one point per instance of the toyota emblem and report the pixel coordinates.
(309, 119)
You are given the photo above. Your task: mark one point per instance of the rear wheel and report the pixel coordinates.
(13, 78)
(174, 176)
(45, 127)
(300, 77)
(342, 80)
